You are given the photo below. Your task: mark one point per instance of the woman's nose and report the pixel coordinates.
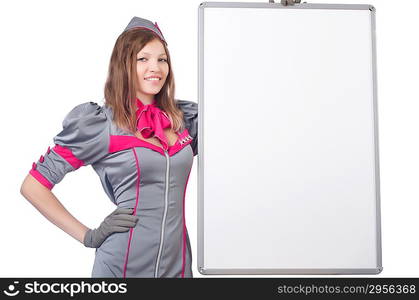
(153, 65)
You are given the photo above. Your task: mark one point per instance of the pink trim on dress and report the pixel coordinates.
(184, 227)
(68, 156)
(123, 142)
(134, 212)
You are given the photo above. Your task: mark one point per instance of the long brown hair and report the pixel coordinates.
(122, 82)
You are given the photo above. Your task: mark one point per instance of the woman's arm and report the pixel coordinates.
(48, 205)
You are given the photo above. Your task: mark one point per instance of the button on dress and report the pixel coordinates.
(134, 174)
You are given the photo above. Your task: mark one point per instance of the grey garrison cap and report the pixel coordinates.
(147, 24)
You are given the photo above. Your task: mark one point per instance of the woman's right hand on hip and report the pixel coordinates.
(120, 220)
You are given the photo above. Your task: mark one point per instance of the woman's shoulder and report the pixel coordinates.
(85, 120)
(189, 108)
(190, 115)
(86, 112)
(85, 132)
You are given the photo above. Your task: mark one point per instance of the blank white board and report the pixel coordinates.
(288, 168)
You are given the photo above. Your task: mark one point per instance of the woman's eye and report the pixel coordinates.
(140, 59)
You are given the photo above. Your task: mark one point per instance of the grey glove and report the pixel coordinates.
(120, 220)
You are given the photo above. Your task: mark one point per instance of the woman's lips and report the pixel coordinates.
(154, 82)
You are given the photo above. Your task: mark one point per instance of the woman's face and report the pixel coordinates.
(151, 61)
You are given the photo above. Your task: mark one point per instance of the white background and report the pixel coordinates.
(55, 55)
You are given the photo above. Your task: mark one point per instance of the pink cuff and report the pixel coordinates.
(38, 176)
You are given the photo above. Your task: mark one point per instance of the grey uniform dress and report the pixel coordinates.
(134, 174)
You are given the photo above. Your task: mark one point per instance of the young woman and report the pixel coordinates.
(141, 143)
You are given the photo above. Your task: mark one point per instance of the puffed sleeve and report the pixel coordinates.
(190, 116)
(83, 141)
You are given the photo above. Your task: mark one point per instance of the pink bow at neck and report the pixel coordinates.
(151, 121)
